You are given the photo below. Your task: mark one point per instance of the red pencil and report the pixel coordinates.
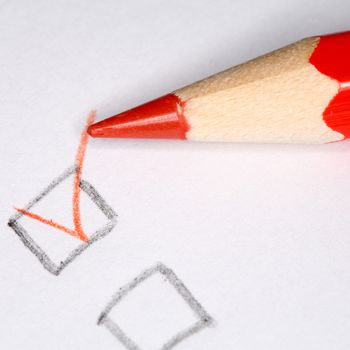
(297, 94)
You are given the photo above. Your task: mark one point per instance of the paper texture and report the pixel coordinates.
(257, 236)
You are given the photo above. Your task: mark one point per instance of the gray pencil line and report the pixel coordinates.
(184, 292)
(119, 334)
(184, 334)
(83, 246)
(204, 318)
(95, 197)
(33, 247)
(98, 200)
(123, 291)
(45, 191)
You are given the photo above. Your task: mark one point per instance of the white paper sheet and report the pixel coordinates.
(258, 234)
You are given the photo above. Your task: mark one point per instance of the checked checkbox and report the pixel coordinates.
(62, 243)
(55, 250)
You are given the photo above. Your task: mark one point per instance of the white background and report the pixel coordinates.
(260, 234)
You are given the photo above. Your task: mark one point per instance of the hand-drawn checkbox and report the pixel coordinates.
(202, 318)
(95, 197)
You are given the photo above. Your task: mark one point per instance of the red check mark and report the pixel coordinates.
(78, 230)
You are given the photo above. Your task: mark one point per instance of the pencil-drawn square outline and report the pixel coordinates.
(101, 232)
(204, 318)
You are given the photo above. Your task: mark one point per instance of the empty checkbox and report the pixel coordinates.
(155, 311)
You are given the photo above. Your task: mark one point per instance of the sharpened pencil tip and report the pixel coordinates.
(161, 118)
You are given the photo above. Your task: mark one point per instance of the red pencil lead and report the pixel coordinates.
(161, 118)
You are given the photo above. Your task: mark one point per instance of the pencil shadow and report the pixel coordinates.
(216, 147)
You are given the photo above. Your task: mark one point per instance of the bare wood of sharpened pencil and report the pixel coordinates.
(279, 97)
